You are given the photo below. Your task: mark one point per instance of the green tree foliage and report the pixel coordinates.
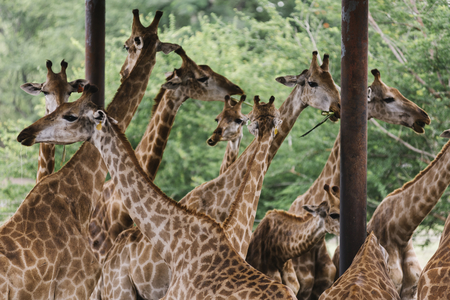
(251, 43)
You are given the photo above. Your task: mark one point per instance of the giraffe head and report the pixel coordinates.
(263, 117)
(56, 88)
(323, 211)
(141, 35)
(388, 104)
(199, 81)
(71, 122)
(319, 89)
(333, 209)
(229, 122)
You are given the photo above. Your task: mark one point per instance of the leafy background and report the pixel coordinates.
(251, 43)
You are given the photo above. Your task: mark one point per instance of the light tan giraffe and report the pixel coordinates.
(200, 82)
(281, 236)
(366, 278)
(215, 198)
(315, 269)
(434, 281)
(229, 128)
(56, 90)
(203, 262)
(189, 81)
(398, 215)
(133, 268)
(50, 258)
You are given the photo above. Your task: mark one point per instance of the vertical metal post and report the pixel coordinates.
(353, 193)
(95, 48)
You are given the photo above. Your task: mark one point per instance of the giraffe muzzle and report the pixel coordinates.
(211, 142)
(26, 138)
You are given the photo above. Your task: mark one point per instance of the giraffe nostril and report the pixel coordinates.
(211, 142)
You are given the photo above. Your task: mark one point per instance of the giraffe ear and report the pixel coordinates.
(32, 88)
(446, 134)
(78, 85)
(173, 83)
(99, 118)
(369, 93)
(288, 80)
(138, 42)
(166, 48)
(168, 74)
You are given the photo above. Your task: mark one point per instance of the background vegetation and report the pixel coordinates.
(251, 43)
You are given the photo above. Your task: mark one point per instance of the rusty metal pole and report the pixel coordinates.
(95, 48)
(353, 193)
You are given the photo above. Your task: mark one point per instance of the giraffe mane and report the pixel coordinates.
(289, 215)
(159, 96)
(167, 199)
(422, 173)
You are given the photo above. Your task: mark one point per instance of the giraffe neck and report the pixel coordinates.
(231, 153)
(170, 228)
(215, 197)
(150, 150)
(239, 223)
(330, 175)
(282, 236)
(86, 171)
(290, 110)
(367, 275)
(132, 89)
(46, 160)
(399, 214)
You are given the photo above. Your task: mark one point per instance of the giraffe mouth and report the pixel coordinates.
(419, 126)
(26, 140)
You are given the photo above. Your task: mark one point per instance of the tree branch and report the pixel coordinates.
(399, 55)
(406, 144)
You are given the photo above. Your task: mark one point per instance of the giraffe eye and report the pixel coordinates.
(126, 47)
(217, 120)
(203, 79)
(313, 84)
(389, 100)
(239, 121)
(70, 118)
(45, 93)
(334, 216)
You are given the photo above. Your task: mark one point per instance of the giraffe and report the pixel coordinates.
(367, 277)
(229, 128)
(189, 81)
(50, 257)
(282, 235)
(203, 262)
(315, 269)
(110, 216)
(56, 90)
(399, 214)
(128, 270)
(215, 198)
(434, 280)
